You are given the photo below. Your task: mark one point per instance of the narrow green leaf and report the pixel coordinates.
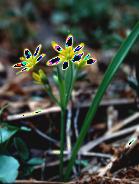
(21, 148)
(26, 129)
(6, 132)
(36, 161)
(112, 69)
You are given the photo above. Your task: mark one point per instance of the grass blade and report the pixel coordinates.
(112, 69)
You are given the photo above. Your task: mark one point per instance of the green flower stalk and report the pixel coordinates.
(72, 60)
(67, 56)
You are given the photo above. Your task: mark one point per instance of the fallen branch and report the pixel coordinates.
(123, 123)
(128, 157)
(57, 152)
(40, 182)
(57, 109)
(32, 114)
(106, 137)
(43, 135)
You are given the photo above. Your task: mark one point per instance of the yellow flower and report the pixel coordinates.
(86, 60)
(40, 77)
(67, 54)
(29, 60)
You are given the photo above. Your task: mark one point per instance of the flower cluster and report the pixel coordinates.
(65, 55)
(86, 60)
(29, 60)
(70, 54)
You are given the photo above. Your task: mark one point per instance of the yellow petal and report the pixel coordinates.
(41, 73)
(56, 47)
(36, 76)
(22, 58)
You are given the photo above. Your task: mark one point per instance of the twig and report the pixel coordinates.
(44, 135)
(57, 109)
(94, 154)
(117, 163)
(75, 122)
(41, 182)
(124, 123)
(109, 133)
(32, 114)
(112, 116)
(76, 130)
(68, 132)
(109, 117)
(54, 163)
(57, 152)
(106, 137)
(68, 129)
(104, 170)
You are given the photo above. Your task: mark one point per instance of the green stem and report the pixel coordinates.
(61, 88)
(62, 130)
(68, 89)
(70, 82)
